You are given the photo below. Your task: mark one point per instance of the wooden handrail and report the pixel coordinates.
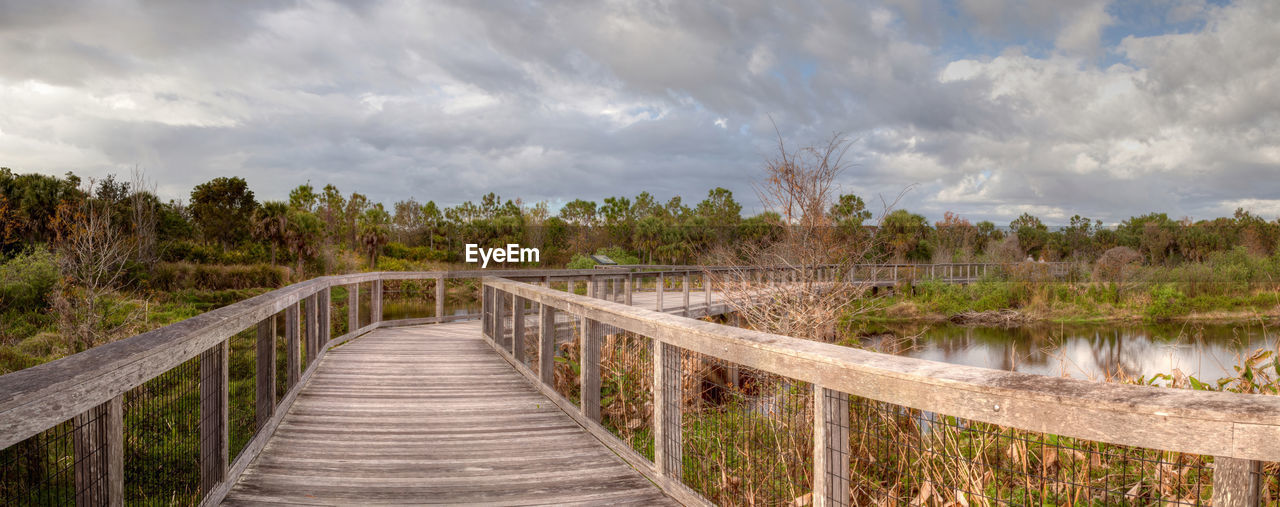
(1239, 430)
(38, 398)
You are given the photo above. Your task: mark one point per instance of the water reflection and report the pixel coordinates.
(393, 309)
(1093, 351)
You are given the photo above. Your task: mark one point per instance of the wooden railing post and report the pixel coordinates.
(115, 451)
(293, 361)
(499, 300)
(484, 311)
(265, 374)
(706, 292)
(375, 303)
(590, 369)
(213, 416)
(353, 307)
(440, 297)
(517, 327)
(658, 287)
(668, 447)
(830, 447)
(547, 344)
(684, 286)
(1235, 482)
(98, 446)
(627, 287)
(326, 322)
(311, 327)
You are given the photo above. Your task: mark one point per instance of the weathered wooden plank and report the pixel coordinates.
(684, 287)
(409, 440)
(1235, 482)
(115, 451)
(659, 287)
(440, 295)
(628, 289)
(90, 447)
(668, 448)
(830, 447)
(670, 485)
(213, 423)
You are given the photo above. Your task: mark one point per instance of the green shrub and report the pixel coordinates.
(171, 276)
(413, 253)
(580, 261)
(190, 251)
(1166, 302)
(27, 280)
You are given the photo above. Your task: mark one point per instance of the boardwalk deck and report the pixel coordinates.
(432, 414)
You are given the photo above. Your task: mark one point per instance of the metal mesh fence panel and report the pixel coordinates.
(747, 435)
(282, 356)
(900, 455)
(242, 398)
(1269, 483)
(338, 316)
(626, 388)
(568, 350)
(161, 438)
(528, 344)
(58, 466)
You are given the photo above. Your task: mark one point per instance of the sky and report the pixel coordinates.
(988, 108)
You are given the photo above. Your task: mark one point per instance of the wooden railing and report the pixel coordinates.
(892, 273)
(1239, 431)
(85, 392)
(88, 392)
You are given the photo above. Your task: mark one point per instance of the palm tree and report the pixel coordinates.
(302, 235)
(270, 222)
(373, 231)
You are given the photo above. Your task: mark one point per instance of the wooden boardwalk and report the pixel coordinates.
(432, 414)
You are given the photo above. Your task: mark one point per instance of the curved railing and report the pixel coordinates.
(872, 428)
(175, 414)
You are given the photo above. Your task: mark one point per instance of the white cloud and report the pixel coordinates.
(999, 109)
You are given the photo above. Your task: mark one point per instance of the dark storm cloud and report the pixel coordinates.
(990, 107)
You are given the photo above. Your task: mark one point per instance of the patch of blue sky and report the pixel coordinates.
(1128, 18)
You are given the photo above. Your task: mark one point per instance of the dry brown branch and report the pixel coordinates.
(806, 288)
(92, 257)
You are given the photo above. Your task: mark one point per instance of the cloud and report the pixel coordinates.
(992, 108)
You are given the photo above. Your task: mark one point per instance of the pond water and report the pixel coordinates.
(393, 309)
(1090, 351)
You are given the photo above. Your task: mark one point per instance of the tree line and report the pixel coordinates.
(222, 222)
